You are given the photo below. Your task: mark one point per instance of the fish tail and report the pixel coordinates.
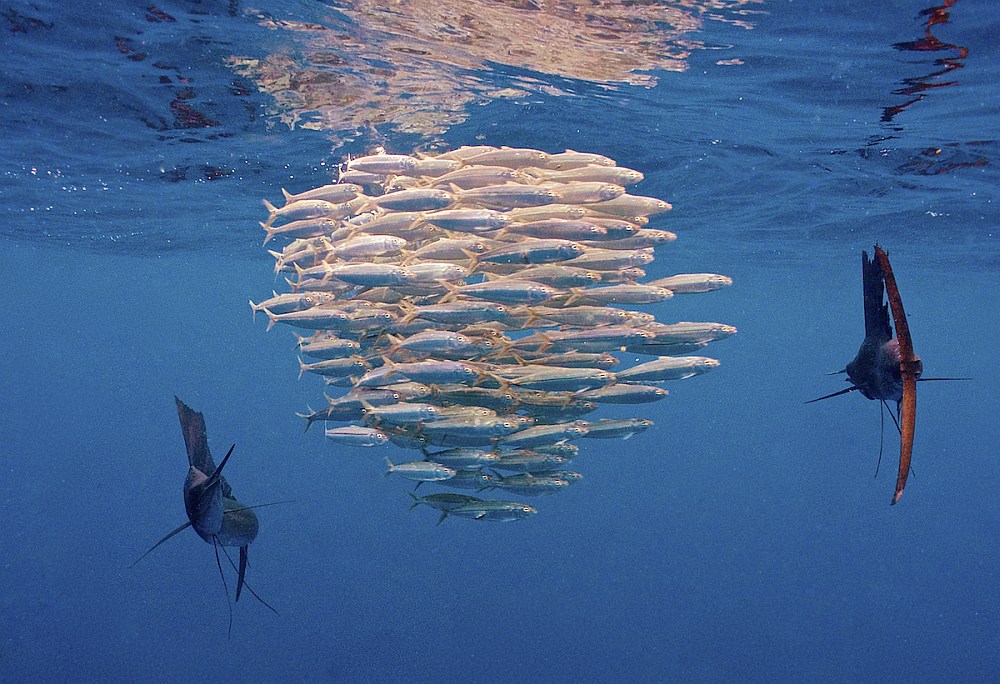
(391, 466)
(546, 341)
(272, 213)
(302, 367)
(473, 262)
(273, 317)
(254, 308)
(288, 196)
(268, 229)
(279, 260)
(450, 295)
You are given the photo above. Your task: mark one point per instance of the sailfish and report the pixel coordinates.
(886, 367)
(212, 509)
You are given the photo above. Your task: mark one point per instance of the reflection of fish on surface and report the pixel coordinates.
(212, 509)
(431, 60)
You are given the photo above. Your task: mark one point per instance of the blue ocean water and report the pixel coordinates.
(742, 538)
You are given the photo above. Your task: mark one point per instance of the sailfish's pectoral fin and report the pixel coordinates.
(169, 534)
(830, 396)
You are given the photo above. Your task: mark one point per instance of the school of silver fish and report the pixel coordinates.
(474, 307)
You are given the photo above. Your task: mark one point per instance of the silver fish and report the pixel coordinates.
(496, 511)
(465, 458)
(480, 176)
(354, 435)
(512, 157)
(544, 434)
(531, 485)
(625, 394)
(506, 196)
(631, 206)
(327, 346)
(467, 220)
(596, 259)
(617, 175)
(420, 471)
(585, 193)
(301, 211)
(303, 228)
(674, 333)
(564, 229)
(534, 252)
(453, 249)
(615, 429)
(667, 368)
(336, 367)
(335, 193)
(570, 159)
(383, 164)
(370, 275)
(417, 199)
(688, 283)
(507, 291)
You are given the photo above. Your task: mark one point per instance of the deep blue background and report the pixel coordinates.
(743, 537)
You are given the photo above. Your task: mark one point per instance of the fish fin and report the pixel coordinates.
(288, 196)
(218, 471)
(302, 367)
(225, 586)
(263, 505)
(876, 309)
(444, 514)
(242, 573)
(169, 534)
(840, 372)
(254, 308)
(391, 466)
(417, 486)
(416, 501)
(835, 394)
(939, 379)
(249, 588)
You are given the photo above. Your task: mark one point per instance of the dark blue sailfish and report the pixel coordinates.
(886, 367)
(212, 509)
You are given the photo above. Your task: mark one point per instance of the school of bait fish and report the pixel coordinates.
(468, 306)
